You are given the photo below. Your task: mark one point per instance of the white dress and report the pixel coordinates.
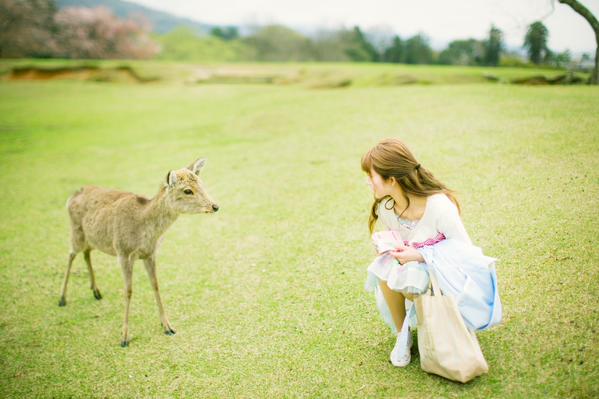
(440, 216)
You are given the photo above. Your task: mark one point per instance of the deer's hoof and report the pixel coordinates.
(170, 331)
(62, 302)
(97, 294)
(124, 344)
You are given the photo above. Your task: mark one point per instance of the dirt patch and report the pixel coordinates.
(241, 76)
(122, 74)
(331, 83)
(567, 79)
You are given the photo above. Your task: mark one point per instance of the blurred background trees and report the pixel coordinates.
(535, 42)
(492, 47)
(279, 43)
(26, 28)
(36, 28)
(96, 33)
(46, 29)
(184, 44)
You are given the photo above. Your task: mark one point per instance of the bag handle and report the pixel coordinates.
(434, 283)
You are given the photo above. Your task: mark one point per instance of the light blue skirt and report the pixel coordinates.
(463, 272)
(411, 278)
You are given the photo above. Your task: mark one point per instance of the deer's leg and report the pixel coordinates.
(88, 261)
(127, 268)
(63, 296)
(150, 264)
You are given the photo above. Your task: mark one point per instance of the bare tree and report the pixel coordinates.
(586, 14)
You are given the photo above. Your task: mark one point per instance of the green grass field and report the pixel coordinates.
(267, 295)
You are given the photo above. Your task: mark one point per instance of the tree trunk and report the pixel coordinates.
(586, 14)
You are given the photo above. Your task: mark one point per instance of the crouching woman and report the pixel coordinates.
(422, 232)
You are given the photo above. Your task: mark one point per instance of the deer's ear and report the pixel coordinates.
(171, 178)
(197, 165)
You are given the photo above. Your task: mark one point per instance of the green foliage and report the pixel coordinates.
(395, 52)
(493, 47)
(535, 42)
(357, 47)
(328, 46)
(344, 45)
(462, 52)
(558, 60)
(225, 33)
(514, 61)
(418, 50)
(474, 52)
(279, 43)
(32, 28)
(183, 44)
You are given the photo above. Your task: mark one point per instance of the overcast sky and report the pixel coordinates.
(441, 20)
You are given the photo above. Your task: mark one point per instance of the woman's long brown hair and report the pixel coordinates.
(391, 158)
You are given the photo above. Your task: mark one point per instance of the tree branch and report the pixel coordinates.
(585, 13)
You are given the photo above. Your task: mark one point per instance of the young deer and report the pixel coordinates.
(129, 227)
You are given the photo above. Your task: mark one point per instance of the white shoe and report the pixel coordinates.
(396, 358)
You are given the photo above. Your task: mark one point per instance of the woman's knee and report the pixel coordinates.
(388, 289)
(410, 297)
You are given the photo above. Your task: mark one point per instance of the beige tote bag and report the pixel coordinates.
(446, 346)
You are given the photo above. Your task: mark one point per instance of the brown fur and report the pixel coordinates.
(129, 226)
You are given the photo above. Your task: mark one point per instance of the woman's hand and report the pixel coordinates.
(405, 254)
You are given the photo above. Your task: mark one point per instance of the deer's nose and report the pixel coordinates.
(215, 207)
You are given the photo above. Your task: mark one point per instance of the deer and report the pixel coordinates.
(130, 227)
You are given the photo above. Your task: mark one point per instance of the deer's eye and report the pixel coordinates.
(188, 191)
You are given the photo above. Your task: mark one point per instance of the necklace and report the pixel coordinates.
(408, 224)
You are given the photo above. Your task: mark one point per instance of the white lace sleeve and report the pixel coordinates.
(449, 222)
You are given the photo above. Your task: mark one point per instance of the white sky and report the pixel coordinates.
(441, 20)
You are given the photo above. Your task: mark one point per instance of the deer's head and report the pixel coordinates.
(186, 192)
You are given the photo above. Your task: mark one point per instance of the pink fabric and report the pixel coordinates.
(431, 241)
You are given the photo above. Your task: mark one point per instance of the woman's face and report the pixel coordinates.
(380, 187)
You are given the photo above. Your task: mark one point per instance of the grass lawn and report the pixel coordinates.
(267, 294)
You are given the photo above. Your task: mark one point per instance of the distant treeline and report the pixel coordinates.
(280, 43)
(36, 28)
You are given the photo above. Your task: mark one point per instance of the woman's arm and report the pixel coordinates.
(450, 223)
(407, 254)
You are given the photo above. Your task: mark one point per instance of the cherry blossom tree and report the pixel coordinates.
(34, 28)
(98, 33)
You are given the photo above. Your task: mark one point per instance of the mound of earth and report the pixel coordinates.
(86, 73)
(566, 79)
